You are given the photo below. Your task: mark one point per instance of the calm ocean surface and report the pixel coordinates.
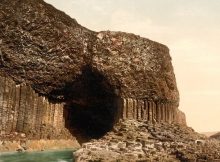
(43, 156)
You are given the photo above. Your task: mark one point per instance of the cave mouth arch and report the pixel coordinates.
(92, 107)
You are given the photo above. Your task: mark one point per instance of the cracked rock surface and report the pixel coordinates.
(47, 49)
(133, 140)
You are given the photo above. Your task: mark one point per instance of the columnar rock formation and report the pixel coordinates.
(23, 110)
(148, 110)
(57, 74)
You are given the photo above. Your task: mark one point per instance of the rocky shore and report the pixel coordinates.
(133, 140)
(19, 142)
(37, 145)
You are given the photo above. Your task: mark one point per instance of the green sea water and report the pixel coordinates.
(42, 156)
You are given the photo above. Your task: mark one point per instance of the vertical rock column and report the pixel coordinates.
(172, 113)
(135, 109)
(28, 110)
(21, 109)
(38, 117)
(166, 112)
(162, 112)
(5, 105)
(145, 110)
(130, 111)
(16, 106)
(124, 112)
(10, 103)
(154, 111)
(139, 109)
(35, 113)
(150, 110)
(30, 105)
(55, 116)
(1, 101)
(158, 111)
(169, 112)
(2, 89)
(61, 123)
(44, 116)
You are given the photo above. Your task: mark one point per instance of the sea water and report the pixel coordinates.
(42, 156)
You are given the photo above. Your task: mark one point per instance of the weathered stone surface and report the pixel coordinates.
(180, 117)
(143, 141)
(20, 114)
(141, 66)
(52, 68)
(47, 49)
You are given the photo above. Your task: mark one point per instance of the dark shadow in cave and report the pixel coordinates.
(91, 105)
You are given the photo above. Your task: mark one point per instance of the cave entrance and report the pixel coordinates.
(91, 108)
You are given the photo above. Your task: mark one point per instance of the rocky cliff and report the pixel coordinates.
(56, 73)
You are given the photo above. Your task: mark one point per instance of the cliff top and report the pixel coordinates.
(47, 49)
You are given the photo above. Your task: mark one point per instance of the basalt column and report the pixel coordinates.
(23, 110)
(158, 107)
(153, 111)
(145, 110)
(130, 109)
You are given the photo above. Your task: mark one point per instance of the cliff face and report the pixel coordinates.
(97, 77)
(142, 67)
(41, 45)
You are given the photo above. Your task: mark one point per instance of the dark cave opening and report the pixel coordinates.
(91, 108)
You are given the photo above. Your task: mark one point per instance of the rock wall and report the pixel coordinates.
(136, 66)
(181, 117)
(48, 61)
(23, 110)
(148, 110)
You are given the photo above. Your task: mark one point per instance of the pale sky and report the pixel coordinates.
(191, 30)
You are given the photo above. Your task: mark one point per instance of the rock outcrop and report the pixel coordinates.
(57, 74)
(181, 117)
(132, 140)
(215, 136)
(23, 110)
(47, 49)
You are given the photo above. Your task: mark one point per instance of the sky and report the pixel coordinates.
(191, 30)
